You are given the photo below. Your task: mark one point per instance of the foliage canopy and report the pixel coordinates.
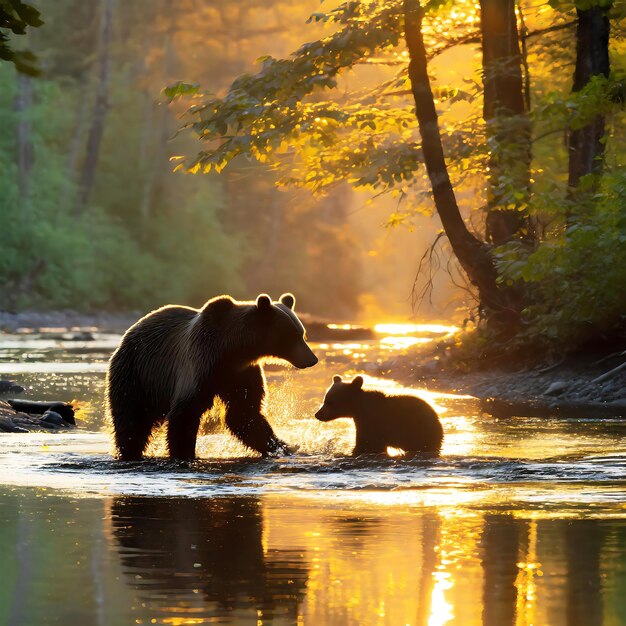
(15, 17)
(339, 110)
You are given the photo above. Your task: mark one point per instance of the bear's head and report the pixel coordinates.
(281, 333)
(341, 399)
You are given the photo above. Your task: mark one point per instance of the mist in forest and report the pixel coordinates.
(95, 218)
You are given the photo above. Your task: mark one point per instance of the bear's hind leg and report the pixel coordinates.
(182, 430)
(127, 407)
(132, 433)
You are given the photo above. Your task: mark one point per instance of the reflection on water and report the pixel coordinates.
(286, 560)
(520, 522)
(195, 557)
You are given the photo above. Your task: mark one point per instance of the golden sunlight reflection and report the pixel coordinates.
(360, 573)
(407, 329)
(400, 343)
(526, 581)
(441, 610)
(287, 559)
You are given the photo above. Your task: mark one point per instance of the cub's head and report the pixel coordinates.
(341, 399)
(281, 332)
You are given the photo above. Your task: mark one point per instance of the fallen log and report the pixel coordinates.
(12, 421)
(65, 410)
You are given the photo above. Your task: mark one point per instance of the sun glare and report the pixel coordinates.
(441, 610)
(400, 343)
(411, 329)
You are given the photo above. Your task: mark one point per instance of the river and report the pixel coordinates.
(520, 521)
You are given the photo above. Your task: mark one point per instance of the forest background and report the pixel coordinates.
(94, 217)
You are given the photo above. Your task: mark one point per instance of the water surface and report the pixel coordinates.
(520, 521)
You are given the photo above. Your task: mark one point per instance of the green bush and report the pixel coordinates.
(576, 280)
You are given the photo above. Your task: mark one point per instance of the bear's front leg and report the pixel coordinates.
(243, 395)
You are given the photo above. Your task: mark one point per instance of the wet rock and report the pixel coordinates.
(609, 387)
(83, 335)
(7, 426)
(41, 419)
(65, 410)
(430, 368)
(49, 425)
(8, 386)
(489, 392)
(556, 388)
(51, 417)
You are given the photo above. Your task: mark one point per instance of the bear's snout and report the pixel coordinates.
(313, 360)
(322, 415)
(303, 358)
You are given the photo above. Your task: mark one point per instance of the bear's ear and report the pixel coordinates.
(288, 299)
(357, 382)
(220, 304)
(336, 379)
(264, 302)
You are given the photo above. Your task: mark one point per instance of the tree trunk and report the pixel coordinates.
(69, 193)
(473, 255)
(158, 163)
(586, 150)
(508, 126)
(94, 139)
(22, 104)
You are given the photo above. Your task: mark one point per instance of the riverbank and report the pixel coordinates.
(66, 320)
(579, 385)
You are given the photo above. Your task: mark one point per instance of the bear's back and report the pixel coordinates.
(416, 424)
(163, 326)
(402, 421)
(154, 347)
(412, 407)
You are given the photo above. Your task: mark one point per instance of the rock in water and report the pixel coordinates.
(7, 426)
(556, 388)
(66, 411)
(8, 386)
(51, 417)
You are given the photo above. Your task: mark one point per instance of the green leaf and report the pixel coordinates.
(181, 89)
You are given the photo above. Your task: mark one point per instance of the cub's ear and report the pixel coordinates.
(264, 302)
(357, 382)
(288, 300)
(336, 379)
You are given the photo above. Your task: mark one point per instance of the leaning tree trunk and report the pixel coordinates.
(508, 125)
(473, 255)
(586, 148)
(96, 130)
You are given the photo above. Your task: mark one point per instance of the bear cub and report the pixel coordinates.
(173, 363)
(383, 421)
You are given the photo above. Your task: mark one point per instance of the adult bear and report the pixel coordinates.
(173, 362)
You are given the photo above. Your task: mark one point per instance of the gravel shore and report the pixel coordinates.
(70, 320)
(583, 385)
